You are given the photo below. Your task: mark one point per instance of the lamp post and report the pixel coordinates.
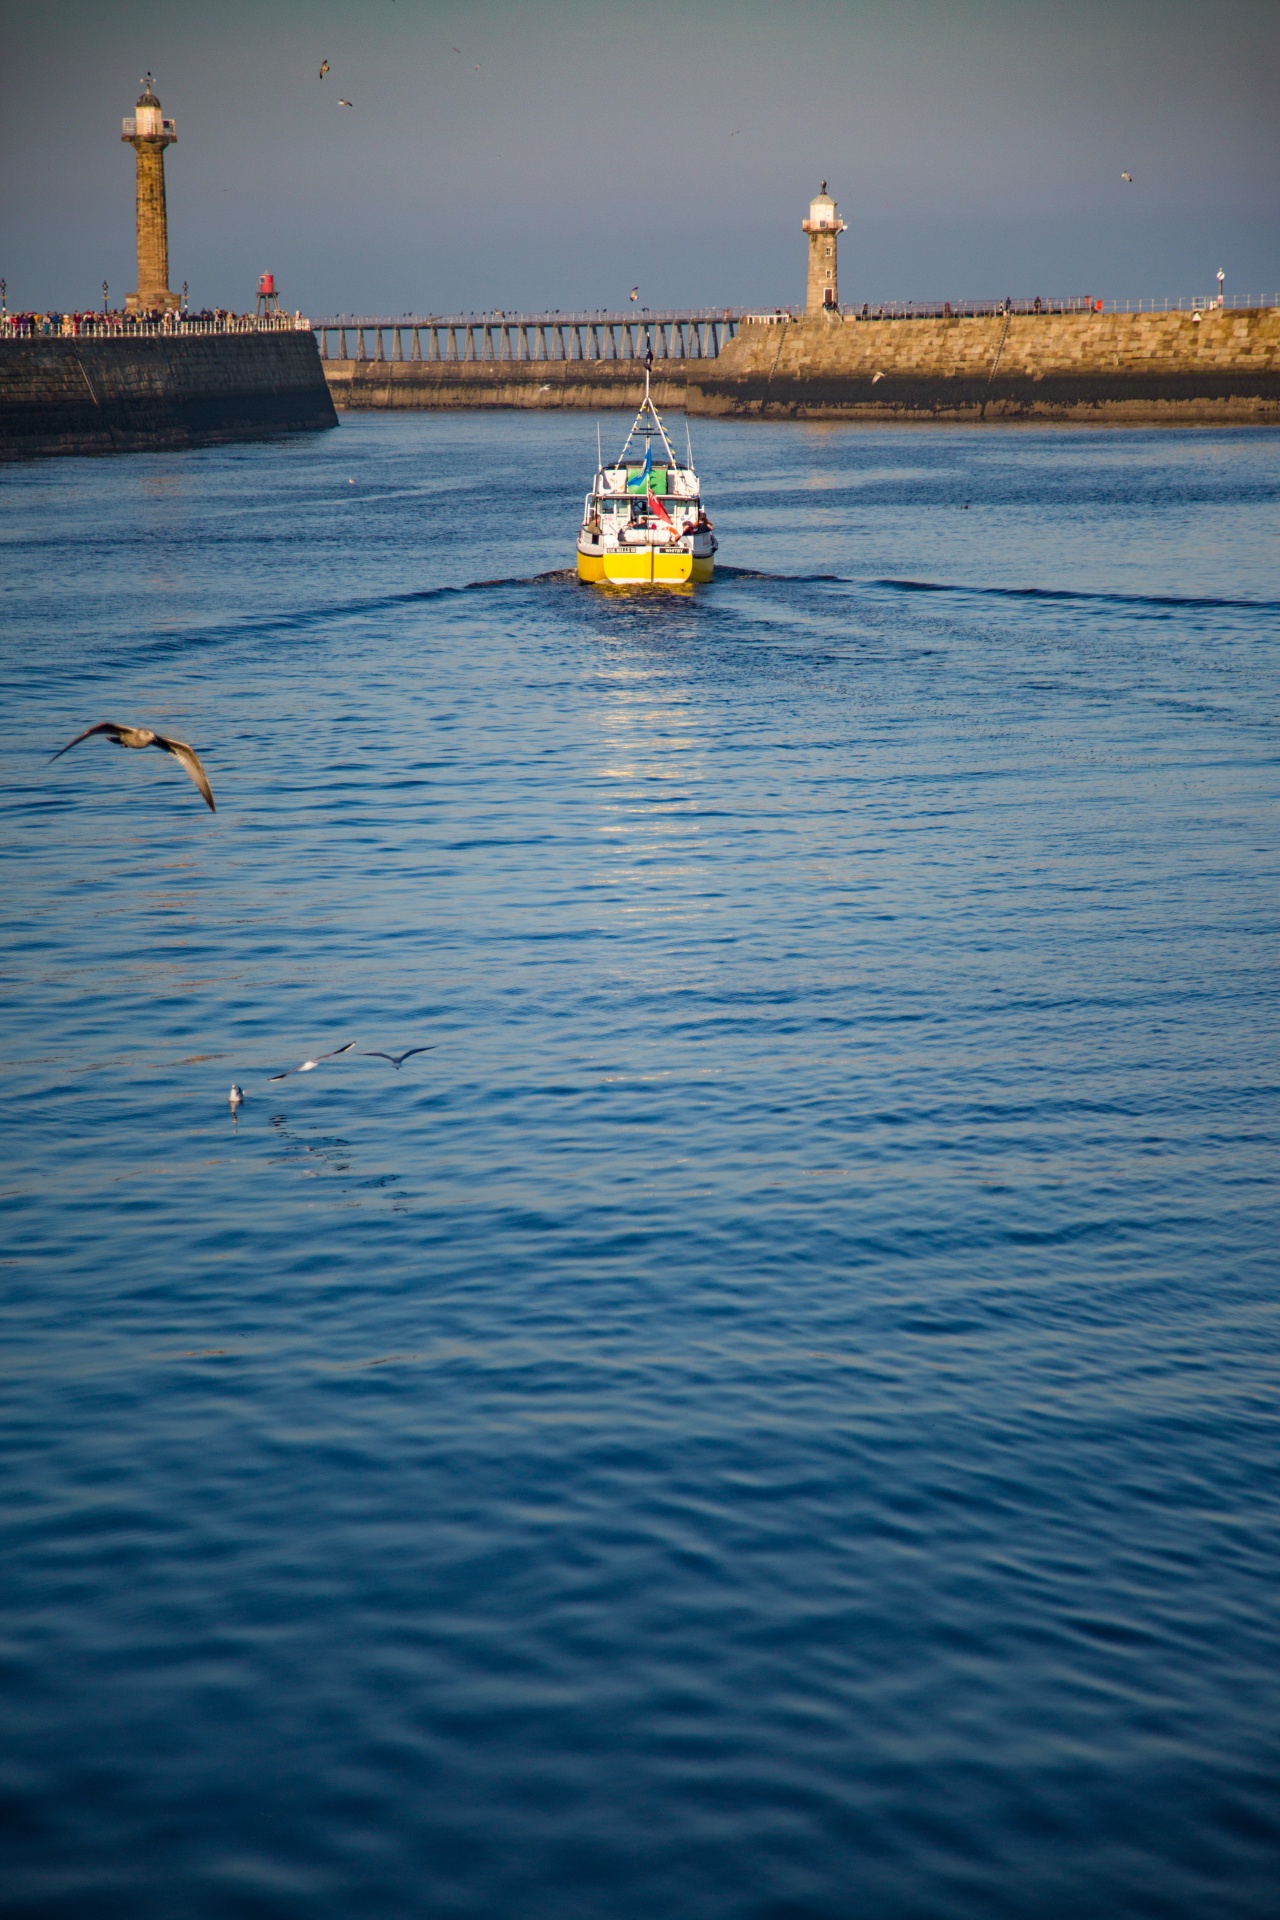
(1221, 281)
(4, 289)
(184, 296)
(104, 296)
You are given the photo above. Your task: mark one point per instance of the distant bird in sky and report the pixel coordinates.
(1128, 177)
(477, 66)
(457, 49)
(875, 377)
(235, 1096)
(634, 294)
(308, 1065)
(324, 68)
(545, 387)
(346, 103)
(397, 1059)
(143, 737)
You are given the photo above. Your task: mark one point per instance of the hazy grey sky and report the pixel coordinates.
(975, 148)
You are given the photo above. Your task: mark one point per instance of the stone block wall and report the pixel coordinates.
(1126, 368)
(359, 385)
(136, 394)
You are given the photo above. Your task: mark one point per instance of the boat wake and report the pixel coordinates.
(1159, 600)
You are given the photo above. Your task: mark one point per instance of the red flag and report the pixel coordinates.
(656, 504)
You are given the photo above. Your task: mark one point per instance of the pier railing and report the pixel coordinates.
(103, 326)
(498, 337)
(998, 309)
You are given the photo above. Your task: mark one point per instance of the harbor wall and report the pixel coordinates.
(1125, 368)
(142, 393)
(360, 384)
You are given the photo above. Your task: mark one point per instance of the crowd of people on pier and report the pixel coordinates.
(115, 321)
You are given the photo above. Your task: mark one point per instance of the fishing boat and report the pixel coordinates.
(643, 522)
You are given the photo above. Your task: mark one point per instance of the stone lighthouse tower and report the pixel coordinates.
(822, 228)
(149, 133)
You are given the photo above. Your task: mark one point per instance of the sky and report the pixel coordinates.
(555, 153)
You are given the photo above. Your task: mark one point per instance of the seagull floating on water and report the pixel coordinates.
(235, 1096)
(143, 737)
(307, 1065)
(397, 1059)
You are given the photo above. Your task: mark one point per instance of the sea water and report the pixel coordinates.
(775, 1415)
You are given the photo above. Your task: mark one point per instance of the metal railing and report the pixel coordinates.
(498, 337)
(999, 309)
(102, 326)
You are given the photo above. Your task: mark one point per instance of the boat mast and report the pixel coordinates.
(648, 412)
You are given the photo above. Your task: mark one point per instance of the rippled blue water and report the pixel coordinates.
(776, 1415)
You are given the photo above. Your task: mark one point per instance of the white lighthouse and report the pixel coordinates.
(149, 133)
(822, 226)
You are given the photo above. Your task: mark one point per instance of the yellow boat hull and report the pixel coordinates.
(644, 567)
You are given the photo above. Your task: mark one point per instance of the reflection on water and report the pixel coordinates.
(774, 1413)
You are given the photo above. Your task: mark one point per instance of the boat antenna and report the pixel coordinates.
(599, 455)
(688, 444)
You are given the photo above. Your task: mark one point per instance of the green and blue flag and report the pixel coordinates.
(639, 482)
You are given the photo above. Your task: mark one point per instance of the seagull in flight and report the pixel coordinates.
(1128, 177)
(308, 1065)
(634, 294)
(324, 68)
(397, 1059)
(143, 737)
(346, 103)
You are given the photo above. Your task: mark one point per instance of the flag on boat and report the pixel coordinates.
(656, 506)
(639, 482)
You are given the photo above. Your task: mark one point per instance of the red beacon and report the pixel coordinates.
(268, 298)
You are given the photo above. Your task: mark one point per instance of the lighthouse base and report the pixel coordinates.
(162, 302)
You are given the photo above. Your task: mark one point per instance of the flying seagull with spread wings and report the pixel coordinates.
(324, 68)
(308, 1065)
(143, 737)
(397, 1059)
(1128, 177)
